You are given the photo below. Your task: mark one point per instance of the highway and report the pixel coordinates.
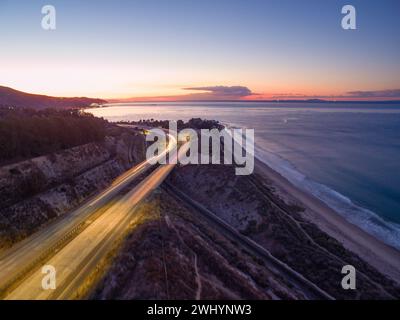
(73, 237)
(76, 244)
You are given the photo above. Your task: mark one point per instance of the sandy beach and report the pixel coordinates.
(378, 254)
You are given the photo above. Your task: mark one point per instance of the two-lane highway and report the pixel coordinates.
(18, 262)
(78, 258)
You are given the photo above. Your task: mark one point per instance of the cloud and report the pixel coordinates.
(216, 93)
(362, 95)
(375, 94)
(289, 96)
(220, 92)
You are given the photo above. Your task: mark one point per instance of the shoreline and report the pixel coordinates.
(378, 254)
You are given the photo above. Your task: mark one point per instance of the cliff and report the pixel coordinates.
(37, 190)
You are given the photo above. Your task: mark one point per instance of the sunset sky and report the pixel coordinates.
(202, 49)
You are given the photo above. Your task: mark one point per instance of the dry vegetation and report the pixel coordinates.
(174, 255)
(251, 206)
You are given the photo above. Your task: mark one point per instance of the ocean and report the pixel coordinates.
(347, 155)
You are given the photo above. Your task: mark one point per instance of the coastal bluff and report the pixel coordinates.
(37, 190)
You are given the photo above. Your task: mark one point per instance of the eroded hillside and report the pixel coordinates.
(35, 191)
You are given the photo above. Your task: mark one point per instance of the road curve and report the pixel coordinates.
(19, 260)
(75, 262)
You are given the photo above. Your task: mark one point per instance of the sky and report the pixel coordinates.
(187, 49)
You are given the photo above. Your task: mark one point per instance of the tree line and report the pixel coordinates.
(194, 123)
(27, 133)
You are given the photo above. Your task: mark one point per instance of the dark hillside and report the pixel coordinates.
(27, 133)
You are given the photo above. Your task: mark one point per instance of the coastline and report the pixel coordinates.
(372, 250)
(378, 254)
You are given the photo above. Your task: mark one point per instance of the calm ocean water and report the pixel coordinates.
(348, 155)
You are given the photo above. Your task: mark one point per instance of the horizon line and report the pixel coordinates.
(253, 101)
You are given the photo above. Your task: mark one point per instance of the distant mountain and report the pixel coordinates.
(15, 98)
